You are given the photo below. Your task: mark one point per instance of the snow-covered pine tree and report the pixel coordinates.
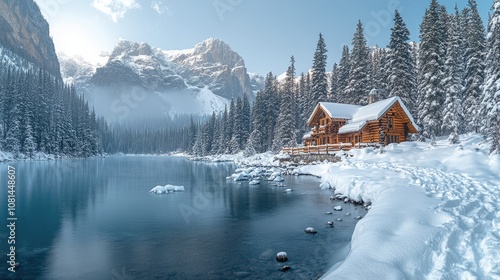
(246, 120)
(453, 83)
(334, 84)
(431, 71)
(359, 77)
(379, 70)
(258, 123)
(272, 102)
(218, 141)
(474, 68)
(253, 144)
(13, 134)
(490, 102)
(192, 134)
(343, 79)
(319, 82)
(208, 133)
(285, 126)
(230, 124)
(401, 70)
(235, 142)
(302, 107)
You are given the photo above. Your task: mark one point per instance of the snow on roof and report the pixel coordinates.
(359, 115)
(307, 135)
(352, 127)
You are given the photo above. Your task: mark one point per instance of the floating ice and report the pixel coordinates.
(167, 189)
(278, 179)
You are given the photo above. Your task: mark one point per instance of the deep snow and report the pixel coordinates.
(435, 210)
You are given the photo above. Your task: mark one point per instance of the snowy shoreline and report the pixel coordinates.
(38, 156)
(435, 209)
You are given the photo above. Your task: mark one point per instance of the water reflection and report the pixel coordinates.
(95, 219)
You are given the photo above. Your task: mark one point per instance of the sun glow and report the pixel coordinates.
(76, 39)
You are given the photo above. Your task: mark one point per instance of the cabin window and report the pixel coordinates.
(356, 139)
(392, 139)
(390, 122)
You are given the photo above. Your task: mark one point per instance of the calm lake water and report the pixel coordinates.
(95, 219)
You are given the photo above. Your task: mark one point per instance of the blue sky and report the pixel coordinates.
(265, 33)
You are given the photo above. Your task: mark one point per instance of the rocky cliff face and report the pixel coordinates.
(137, 64)
(24, 31)
(213, 63)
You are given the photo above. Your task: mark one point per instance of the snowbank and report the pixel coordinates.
(264, 159)
(435, 211)
(8, 156)
(167, 189)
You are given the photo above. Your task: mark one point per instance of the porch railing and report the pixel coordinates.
(326, 149)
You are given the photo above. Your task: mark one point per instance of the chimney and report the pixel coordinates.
(375, 95)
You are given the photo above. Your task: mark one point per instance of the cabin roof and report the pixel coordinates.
(357, 116)
(352, 127)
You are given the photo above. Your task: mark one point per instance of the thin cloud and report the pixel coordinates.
(161, 8)
(115, 9)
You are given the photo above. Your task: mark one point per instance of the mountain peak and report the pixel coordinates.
(126, 48)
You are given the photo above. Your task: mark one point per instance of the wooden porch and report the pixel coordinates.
(326, 149)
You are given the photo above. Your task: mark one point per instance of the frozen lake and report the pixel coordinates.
(95, 219)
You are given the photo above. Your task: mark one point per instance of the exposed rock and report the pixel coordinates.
(24, 31)
(282, 257)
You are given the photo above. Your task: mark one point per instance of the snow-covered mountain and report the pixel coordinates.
(159, 82)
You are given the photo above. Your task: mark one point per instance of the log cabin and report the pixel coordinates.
(383, 122)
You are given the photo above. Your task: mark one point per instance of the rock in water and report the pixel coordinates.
(330, 223)
(337, 208)
(310, 230)
(285, 268)
(282, 257)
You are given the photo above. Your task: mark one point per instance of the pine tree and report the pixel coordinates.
(431, 71)
(271, 101)
(379, 70)
(359, 83)
(343, 79)
(401, 69)
(452, 110)
(236, 139)
(246, 120)
(490, 101)
(319, 82)
(230, 124)
(254, 144)
(286, 133)
(334, 84)
(258, 123)
(474, 68)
